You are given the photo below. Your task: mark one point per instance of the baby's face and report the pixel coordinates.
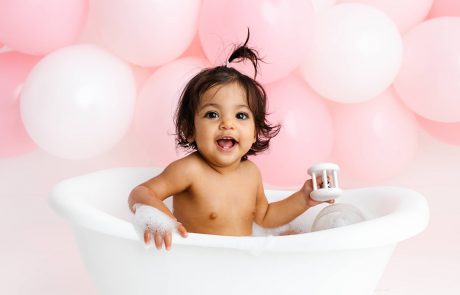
(224, 125)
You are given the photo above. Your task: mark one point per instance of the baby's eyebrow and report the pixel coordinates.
(243, 106)
(210, 105)
(216, 105)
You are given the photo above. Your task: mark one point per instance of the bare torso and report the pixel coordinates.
(216, 203)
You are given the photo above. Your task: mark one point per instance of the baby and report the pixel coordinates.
(216, 189)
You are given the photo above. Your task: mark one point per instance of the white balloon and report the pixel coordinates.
(405, 13)
(356, 53)
(321, 5)
(78, 101)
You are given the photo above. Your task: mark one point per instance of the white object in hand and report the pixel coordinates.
(337, 215)
(148, 217)
(330, 189)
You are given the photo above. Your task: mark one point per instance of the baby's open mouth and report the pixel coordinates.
(226, 143)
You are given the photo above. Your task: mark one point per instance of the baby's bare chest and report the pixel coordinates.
(219, 204)
(220, 199)
(226, 194)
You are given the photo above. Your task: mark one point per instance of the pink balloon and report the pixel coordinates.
(445, 132)
(156, 106)
(89, 32)
(306, 134)
(405, 13)
(445, 8)
(40, 26)
(428, 82)
(147, 33)
(375, 140)
(14, 68)
(141, 75)
(280, 31)
(195, 49)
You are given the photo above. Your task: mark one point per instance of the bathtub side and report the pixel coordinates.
(84, 200)
(347, 260)
(121, 266)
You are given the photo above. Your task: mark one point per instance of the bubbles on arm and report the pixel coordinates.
(148, 217)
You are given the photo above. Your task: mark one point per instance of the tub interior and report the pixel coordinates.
(110, 195)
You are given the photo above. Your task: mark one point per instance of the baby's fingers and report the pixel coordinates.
(319, 181)
(168, 240)
(181, 229)
(147, 236)
(158, 240)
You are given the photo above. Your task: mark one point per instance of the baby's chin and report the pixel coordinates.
(223, 160)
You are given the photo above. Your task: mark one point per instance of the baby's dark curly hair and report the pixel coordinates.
(222, 75)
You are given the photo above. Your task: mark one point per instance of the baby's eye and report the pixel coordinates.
(242, 116)
(211, 115)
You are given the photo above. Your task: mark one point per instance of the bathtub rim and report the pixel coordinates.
(410, 218)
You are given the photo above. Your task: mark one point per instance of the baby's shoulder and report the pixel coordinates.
(251, 167)
(189, 164)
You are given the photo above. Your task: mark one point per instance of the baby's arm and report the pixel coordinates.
(176, 178)
(279, 213)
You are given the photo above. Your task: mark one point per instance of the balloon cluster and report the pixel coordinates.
(350, 81)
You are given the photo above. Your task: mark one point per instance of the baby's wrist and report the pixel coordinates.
(146, 216)
(305, 196)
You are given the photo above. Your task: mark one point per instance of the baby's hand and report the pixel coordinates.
(163, 238)
(307, 188)
(153, 224)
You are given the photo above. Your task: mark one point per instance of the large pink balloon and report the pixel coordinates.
(14, 68)
(375, 140)
(429, 79)
(405, 13)
(156, 106)
(195, 49)
(280, 31)
(40, 26)
(144, 32)
(445, 132)
(306, 134)
(445, 8)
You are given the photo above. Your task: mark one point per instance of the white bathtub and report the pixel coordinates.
(346, 260)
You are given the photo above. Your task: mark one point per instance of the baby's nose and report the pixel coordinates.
(226, 127)
(226, 124)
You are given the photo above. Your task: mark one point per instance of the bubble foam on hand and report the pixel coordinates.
(148, 217)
